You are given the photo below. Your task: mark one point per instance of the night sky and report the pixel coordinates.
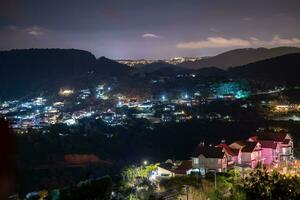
(149, 28)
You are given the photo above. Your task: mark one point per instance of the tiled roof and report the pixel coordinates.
(237, 144)
(277, 137)
(208, 152)
(183, 167)
(228, 150)
(268, 144)
(240, 142)
(249, 147)
(167, 166)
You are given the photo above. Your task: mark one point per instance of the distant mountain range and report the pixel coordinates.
(25, 71)
(239, 57)
(158, 66)
(166, 69)
(282, 69)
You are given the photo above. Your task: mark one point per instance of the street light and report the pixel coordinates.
(145, 162)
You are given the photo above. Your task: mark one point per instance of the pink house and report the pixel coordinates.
(269, 151)
(276, 146)
(265, 148)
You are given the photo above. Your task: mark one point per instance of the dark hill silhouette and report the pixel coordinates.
(23, 71)
(107, 67)
(158, 66)
(31, 70)
(211, 71)
(240, 57)
(282, 69)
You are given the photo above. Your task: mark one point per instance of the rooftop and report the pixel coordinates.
(208, 151)
(249, 147)
(274, 136)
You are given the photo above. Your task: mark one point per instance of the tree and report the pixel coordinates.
(261, 184)
(7, 159)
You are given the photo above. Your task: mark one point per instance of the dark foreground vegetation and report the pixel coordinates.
(40, 156)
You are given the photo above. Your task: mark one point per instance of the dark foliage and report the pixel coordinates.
(7, 159)
(92, 190)
(263, 185)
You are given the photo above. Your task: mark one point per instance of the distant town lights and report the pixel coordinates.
(66, 92)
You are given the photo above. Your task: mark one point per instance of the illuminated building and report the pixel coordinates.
(66, 92)
(70, 122)
(230, 90)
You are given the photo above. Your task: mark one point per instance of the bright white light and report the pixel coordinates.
(66, 92)
(119, 104)
(152, 177)
(70, 122)
(145, 162)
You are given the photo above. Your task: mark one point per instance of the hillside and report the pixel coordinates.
(211, 71)
(107, 67)
(282, 69)
(240, 57)
(157, 66)
(32, 70)
(35, 70)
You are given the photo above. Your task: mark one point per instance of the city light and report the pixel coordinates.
(66, 92)
(141, 100)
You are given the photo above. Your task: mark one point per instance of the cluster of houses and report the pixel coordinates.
(264, 149)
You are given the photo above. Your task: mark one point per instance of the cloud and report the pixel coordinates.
(276, 41)
(26, 31)
(214, 42)
(220, 42)
(34, 31)
(150, 35)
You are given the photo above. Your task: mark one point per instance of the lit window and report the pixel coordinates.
(196, 161)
